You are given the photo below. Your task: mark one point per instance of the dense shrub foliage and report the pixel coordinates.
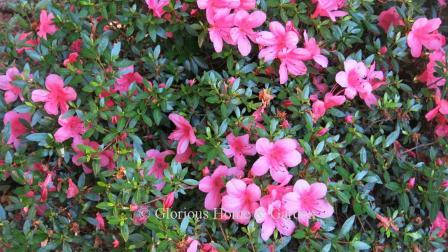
(224, 125)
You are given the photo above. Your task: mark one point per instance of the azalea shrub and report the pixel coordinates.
(224, 125)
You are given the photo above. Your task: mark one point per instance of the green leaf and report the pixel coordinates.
(347, 226)
(124, 230)
(360, 245)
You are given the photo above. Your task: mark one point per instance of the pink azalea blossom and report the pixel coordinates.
(241, 200)
(168, 201)
(389, 18)
(313, 50)
(441, 107)
(106, 156)
(124, 82)
(424, 34)
(219, 30)
(428, 76)
(376, 80)
(12, 92)
(274, 214)
(46, 186)
(440, 223)
(442, 3)
(71, 127)
(157, 6)
(213, 184)
(193, 245)
(291, 63)
(160, 165)
(329, 8)
(308, 201)
(46, 25)
(441, 129)
(72, 190)
(28, 43)
(17, 129)
(247, 4)
(140, 215)
(184, 133)
(320, 107)
(57, 96)
(238, 148)
(100, 222)
(72, 58)
(218, 4)
(243, 32)
(354, 78)
(276, 40)
(276, 157)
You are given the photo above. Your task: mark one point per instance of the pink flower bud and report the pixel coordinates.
(72, 190)
(411, 183)
(205, 171)
(116, 243)
(349, 119)
(100, 222)
(322, 132)
(133, 207)
(383, 50)
(315, 227)
(168, 201)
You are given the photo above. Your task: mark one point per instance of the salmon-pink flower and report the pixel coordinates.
(212, 185)
(57, 96)
(219, 30)
(243, 32)
(168, 201)
(72, 190)
(184, 133)
(424, 34)
(276, 157)
(308, 201)
(291, 63)
(17, 129)
(28, 43)
(440, 223)
(389, 18)
(313, 50)
(71, 127)
(320, 107)
(276, 40)
(46, 25)
(241, 200)
(12, 92)
(329, 8)
(411, 183)
(274, 215)
(157, 6)
(116, 243)
(127, 78)
(100, 222)
(160, 165)
(238, 148)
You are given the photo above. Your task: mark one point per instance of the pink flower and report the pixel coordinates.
(28, 43)
(389, 18)
(308, 201)
(72, 58)
(157, 6)
(442, 3)
(245, 23)
(238, 148)
(219, 31)
(212, 185)
(71, 127)
(46, 25)
(46, 186)
(291, 63)
(218, 4)
(12, 92)
(329, 8)
(411, 183)
(313, 50)
(440, 224)
(122, 84)
(100, 222)
(353, 79)
(72, 190)
(428, 76)
(276, 41)
(17, 129)
(106, 156)
(76, 46)
(241, 200)
(184, 133)
(193, 245)
(424, 34)
(441, 107)
(274, 215)
(159, 166)
(320, 107)
(116, 243)
(57, 96)
(168, 201)
(315, 227)
(140, 215)
(276, 157)
(247, 4)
